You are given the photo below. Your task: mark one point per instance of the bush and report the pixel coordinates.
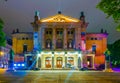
(101, 67)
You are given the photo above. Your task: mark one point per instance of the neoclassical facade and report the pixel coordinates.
(61, 41)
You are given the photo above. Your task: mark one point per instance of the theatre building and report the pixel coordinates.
(61, 41)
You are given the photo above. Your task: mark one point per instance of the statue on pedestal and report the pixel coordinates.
(107, 61)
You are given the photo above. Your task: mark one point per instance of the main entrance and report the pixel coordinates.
(71, 60)
(59, 62)
(89, 61)
(48, 61)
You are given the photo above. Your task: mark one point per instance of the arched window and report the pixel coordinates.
(70, 44)
(48, 62)
(48, 44)
(71, 60)
(59, 62)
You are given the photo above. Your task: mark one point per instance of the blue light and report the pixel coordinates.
(23, 64)
(15, 65)
(18, 64)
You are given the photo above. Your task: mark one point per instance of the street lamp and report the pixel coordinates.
(1, 55)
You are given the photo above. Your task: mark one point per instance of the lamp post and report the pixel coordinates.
(1, 56)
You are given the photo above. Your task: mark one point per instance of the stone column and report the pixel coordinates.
(54, 39)
(65, 61)
(52, 62)
(79, 62)
(93, 62)
(43, 35)
(37, 61)
(65, 38)
(76, 36)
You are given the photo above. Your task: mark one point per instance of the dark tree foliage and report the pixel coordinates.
(2, 34)
(112, 9)
(115, 53)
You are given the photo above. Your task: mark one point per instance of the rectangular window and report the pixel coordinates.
(25, 48)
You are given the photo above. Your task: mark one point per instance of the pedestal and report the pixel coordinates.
(108, 67)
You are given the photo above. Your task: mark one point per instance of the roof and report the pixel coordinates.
(97, 34)
(59, 18)
(24, 33)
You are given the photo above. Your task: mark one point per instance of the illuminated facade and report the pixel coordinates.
(61, 42)
(22, 42)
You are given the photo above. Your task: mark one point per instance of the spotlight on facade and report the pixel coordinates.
(18, 64)
(23, 64)
(15, 65)
(79, 55)
(39, 55)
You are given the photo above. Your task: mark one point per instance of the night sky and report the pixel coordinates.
(20, 13)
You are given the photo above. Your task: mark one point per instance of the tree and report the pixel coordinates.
(115, 53)
(2, 34)
(107, 55)
(112, 9)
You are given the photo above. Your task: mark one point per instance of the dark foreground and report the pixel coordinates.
(59, 76)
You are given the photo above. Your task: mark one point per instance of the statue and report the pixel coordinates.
(70, 45)
(107, 55)
(107, 61)
(48, 45)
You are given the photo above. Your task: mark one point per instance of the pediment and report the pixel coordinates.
(59, 18)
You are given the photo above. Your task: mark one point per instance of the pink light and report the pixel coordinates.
(83, 45)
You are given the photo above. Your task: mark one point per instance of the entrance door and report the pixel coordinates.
(89, 61)
(71, 60)
(59, 62)
(48, 62)
(29, 61)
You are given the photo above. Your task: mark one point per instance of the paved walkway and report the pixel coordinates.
(60, 76)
